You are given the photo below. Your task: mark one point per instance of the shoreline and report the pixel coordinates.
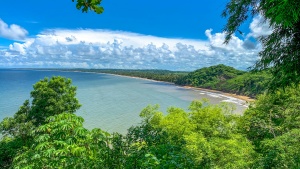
(241, 97)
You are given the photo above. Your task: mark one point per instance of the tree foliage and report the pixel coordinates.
(272, 124)
(281, 48)
(49, 97)
(52, 96)
(272, 115)
(89, 5)
(211, 76)
(63, 142)
(206, 136)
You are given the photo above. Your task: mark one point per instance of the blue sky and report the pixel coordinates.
(167, 34)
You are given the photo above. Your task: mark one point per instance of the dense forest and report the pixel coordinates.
(219, 77)
(45, 133)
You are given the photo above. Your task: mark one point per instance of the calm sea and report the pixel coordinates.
(109, 102)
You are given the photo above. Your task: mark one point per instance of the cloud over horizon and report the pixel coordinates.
(13, 32)
(97, 48)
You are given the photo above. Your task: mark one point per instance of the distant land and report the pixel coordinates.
(219, 77)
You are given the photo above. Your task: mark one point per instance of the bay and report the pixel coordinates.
(109, 102)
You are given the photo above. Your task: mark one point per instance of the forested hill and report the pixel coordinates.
(227, 79)
(210, 76)
(219, 77)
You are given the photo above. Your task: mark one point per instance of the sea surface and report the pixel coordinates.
(109, 102)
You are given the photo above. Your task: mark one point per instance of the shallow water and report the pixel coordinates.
(109, 102)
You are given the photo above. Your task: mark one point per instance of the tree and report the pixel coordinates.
(272, 124)
(281, 49)
(282, 152)
(49, 97)
(272, 115)
(63, 142)
(52, 96)
(92, 5)
(205, 137)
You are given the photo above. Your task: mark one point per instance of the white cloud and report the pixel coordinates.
(14, 32)
(259, 27)
(87, 48)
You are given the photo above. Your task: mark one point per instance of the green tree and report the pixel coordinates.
(282, 152)
(150, 146)
(272, 115)
(92, 5)
(49, 97)
(52, 96)
(205, 137)
(63, 142)
(281, 49)
(272, 124)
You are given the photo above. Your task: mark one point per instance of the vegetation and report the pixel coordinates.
(281, 49)
(227, 79)
(160, 75)
(89, 5)
(210, 77)
(219, 77)
(45, 133)
(49, 97)
(206, 136)
(272, 125)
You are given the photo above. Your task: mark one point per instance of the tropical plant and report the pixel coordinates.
(281, 49)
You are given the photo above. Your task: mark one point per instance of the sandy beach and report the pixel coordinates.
(241, 97)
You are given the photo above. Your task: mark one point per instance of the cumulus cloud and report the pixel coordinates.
(90, 48)
(14, 32)
(259, 27)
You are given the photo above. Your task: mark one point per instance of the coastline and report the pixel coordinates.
(241, 97)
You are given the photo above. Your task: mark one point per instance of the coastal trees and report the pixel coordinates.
(52, 96)
(281, 49)
(272, 115)
(205, 137)
(63, 142)
(227, 79)
(272, 124)
(211, 77)
(49, 97)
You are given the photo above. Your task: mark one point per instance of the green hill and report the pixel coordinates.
(227, 79)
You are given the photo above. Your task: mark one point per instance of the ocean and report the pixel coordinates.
(109, 102)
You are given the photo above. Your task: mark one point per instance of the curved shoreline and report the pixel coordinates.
(241, 97)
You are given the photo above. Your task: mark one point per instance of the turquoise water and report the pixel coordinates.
(109, 102)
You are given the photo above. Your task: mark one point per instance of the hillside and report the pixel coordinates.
(227, 79)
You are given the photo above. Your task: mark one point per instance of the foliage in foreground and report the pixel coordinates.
(280, 49)
(49, 97)
(206, 136)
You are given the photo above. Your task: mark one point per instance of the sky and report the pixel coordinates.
(132, 34)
